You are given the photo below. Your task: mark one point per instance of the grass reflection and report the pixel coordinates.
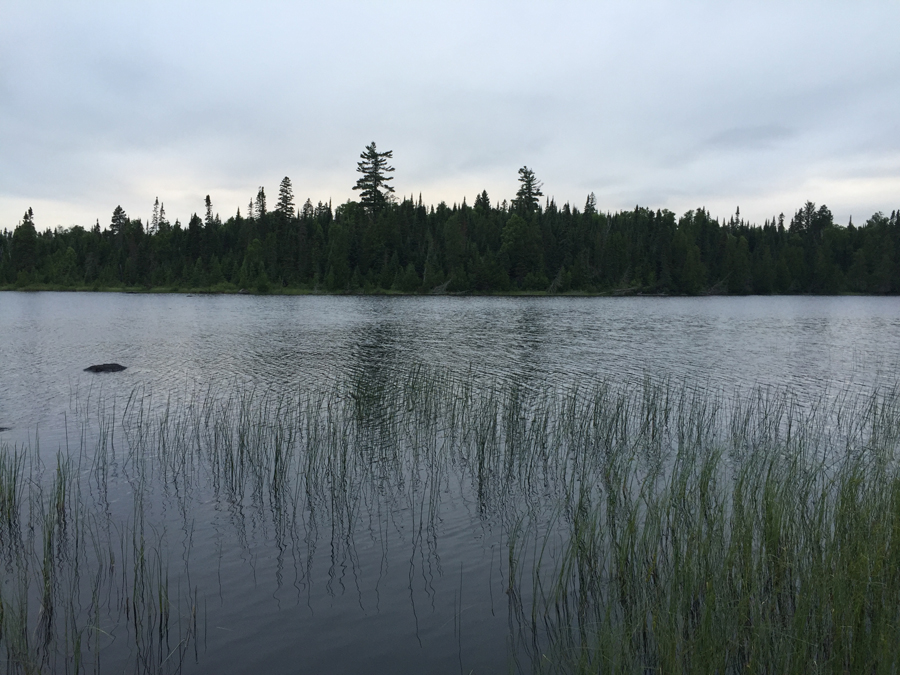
(647, 525)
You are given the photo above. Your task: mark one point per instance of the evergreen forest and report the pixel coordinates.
(382, 244)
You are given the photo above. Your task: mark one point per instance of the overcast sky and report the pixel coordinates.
(676, 105)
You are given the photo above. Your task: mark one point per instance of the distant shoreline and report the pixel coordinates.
(293, 291)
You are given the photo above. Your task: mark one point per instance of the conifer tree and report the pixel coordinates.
(529, 190)
(261, 203)
(154, 219)
(285, 205)
(482, 202)
(119, 220)
(24, 244)
(308, 212)
(373, 186)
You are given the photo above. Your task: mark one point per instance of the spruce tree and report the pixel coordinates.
(24, 245)
(154, 219)
(119, 220)
(261, 203)
(482, 202)
(285, 205)
(163, 224)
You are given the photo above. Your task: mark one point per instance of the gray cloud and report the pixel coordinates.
(671, 106)
(749, 138)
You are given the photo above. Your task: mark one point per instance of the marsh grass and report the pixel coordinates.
(766, 538)
(73, 577)
(648, 525)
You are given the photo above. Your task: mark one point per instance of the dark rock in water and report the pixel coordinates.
(104, 368)
(4, 428)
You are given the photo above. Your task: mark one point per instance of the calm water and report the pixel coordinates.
(172, 341)
(414, 579)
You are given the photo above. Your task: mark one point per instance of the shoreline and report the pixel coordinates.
(292, 291)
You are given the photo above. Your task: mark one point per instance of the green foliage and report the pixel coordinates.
(118, 221)
(522, 248)
(24, 246)
(338, 268)
(369, 247)
(285, 198)
(408, 280)
(770, 548)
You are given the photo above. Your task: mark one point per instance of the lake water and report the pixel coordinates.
(168, 341)
(401, 571)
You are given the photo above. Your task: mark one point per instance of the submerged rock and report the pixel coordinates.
(4, 428)
(104, 368)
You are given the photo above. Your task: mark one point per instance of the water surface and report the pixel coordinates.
(403, 571)
(810, 344)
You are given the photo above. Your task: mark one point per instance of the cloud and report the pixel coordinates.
(749, 138)
(662, 104)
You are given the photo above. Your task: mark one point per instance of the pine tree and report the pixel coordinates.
(154, 219)
(24, 246)
(285, 205)
(261, 203)
(209, 213)
(529, 190)
(373, 186)
(119, 220)
(482, 202)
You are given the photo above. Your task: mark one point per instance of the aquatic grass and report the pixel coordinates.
(648, 524)
(59, 575)
(769, 549)
(12, 465)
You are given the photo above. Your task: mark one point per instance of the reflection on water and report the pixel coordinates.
(342, 482)
(170, 342)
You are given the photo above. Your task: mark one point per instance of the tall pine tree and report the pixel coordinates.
(529, 190)
(373, 185)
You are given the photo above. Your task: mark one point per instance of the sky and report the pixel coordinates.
(677, 105)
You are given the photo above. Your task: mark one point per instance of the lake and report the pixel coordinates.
(301, 483)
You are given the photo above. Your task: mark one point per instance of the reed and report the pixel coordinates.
(770, 548)
(648, 525)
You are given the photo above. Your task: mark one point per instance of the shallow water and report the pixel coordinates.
(410, 574)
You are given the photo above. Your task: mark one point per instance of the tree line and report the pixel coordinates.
(385, 244)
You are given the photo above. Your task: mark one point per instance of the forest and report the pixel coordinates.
(382, 244)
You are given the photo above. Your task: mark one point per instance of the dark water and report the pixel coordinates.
(415, 578)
